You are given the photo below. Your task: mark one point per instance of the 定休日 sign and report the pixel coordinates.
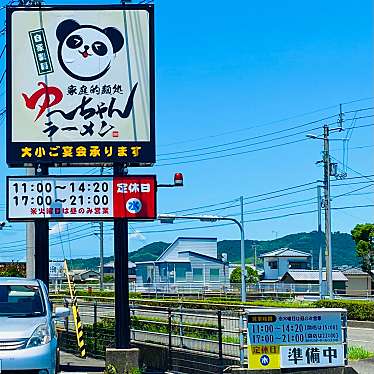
(81, 197)
(80, 85)
(293, 338)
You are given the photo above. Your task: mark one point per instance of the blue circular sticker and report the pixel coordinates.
(134, 205)
(265, 360)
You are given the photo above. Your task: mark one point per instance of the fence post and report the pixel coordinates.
(170, 363)
(241, 337)
(66, 304)
(181, 325)
(220, 347)
(95, 327)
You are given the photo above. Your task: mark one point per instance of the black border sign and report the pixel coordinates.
(89, 181)
(133, 153)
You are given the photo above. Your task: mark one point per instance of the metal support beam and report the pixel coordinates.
(121, 280)
(42, 240)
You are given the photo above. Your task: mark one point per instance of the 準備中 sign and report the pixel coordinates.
(285, 338)
(81, 197)
(80, 85)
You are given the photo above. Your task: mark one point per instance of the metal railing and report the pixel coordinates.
(212, 332)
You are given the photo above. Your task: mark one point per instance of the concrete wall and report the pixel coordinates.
(358, 285)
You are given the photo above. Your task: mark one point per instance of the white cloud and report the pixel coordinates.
(58, 228)
(137, 235)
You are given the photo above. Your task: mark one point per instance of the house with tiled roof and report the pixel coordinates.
(279, 262)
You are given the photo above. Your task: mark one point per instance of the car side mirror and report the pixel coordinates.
(61, 313)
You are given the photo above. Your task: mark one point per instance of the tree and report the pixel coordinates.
(251, 278)
(363, 235)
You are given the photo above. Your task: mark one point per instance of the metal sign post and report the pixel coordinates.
(121, 278)
(42, 241)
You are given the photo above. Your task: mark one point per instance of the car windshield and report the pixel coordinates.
(20, 301)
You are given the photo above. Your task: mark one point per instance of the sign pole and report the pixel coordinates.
(121, 278)
(42, 240)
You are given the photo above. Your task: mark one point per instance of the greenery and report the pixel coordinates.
(358, 353)
(251, 277)
(343, 244)
(357, 310)
(108, 279)
(363, 235)
(13, 270)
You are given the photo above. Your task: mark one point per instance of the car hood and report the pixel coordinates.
(19, 328)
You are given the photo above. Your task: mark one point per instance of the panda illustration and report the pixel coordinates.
(86, 52)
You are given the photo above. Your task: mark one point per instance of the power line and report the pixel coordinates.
(248, 139)
(264, 124)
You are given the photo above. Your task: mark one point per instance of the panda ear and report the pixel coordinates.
(65, 28)
(115, 37)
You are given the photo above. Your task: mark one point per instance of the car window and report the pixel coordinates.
(21, 301)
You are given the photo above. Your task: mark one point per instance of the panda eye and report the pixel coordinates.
(99, 48)
(74, 41)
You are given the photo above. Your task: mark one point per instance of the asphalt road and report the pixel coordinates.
(361, 337)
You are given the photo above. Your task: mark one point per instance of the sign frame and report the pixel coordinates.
(269, 325)
(79, 219)
(147, 156)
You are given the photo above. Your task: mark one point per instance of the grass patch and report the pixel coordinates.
(358, 353)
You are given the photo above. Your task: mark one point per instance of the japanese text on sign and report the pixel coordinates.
(281, 338)
(87, 95)
(82, 197)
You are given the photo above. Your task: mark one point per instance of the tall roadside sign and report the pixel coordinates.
(81, 92)
(80, 85)
(296, 338)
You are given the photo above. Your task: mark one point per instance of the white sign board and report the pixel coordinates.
(311, 356)
(81, 84)
(295, 338)
(56, 269)
(81, 197)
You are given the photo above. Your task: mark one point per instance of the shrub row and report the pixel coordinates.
(356, 309)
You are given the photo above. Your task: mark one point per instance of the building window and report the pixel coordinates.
(180, 275)
(298, 265)
(197, 275)
(273, 264)
(214, 275)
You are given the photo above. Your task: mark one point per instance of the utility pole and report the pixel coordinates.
(327, 207)
(242, 253)
(254, 246)
(101, 225)
(30, 171)
(319, 209)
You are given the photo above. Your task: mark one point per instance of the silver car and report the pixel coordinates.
(28, 340)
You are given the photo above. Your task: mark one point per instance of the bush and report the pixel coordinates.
(356, 310)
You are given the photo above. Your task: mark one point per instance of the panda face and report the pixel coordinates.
(87, 52)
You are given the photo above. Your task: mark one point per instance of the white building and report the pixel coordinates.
(279, 262)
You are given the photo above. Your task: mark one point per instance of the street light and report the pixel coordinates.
(170, 218)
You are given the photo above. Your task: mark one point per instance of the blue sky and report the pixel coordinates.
(229, 73)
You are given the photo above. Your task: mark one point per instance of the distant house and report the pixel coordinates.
(305, 277)
(84, 275)
(280, 261)
(192, 261)
(109, 270)
(359, 282)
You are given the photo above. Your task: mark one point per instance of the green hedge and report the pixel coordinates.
(356, 310)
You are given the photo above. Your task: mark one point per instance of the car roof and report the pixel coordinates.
(18, 281)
